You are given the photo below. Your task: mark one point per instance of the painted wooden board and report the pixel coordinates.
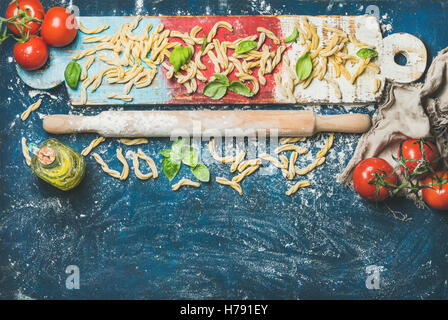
(168, 91)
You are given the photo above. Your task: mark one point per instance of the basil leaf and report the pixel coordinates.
(176, 150)
(204, 43)
(170, 168)
(293, 36)
(245, 46)
(189, 156)
(365, 53)
(72, 74)
(177, 145)
(179, 57)
(222, 79)
(166, 153)
(201, 172)
(215, 90)
(304, 66)
(241, 88)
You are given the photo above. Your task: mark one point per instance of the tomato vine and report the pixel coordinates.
(20, 21)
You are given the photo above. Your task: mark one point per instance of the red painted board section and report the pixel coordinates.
(243, 26)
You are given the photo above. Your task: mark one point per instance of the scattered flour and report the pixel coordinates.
(386, 22)
(128, 154)
(33, 93)
(138, 6)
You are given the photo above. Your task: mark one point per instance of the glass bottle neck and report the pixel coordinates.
(50, 158)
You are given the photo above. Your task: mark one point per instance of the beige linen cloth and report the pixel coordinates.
(410, 111)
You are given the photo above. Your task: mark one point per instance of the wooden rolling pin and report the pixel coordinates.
(206, 123)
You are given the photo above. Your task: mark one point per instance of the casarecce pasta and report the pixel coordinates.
(211, 147)
(99, 29)
(292, 140)
(134, 142)
(237, 161)
(25, 152)
(33, 107)
(185, 182)
(327, 147)
(316, 163)
(86, 67)
(297, 186)
(248, 171)
(92, 145)
(234, 185)
(291, 147)
(125, 173)
(118, 96)
(136, 164)
(105, 167)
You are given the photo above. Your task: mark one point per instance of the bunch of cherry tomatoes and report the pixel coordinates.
(375, 179)
(26, 19)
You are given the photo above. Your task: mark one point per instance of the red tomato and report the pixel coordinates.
(411, 150)
(365, 171)
(59, 27)
(34, 9)
(436, 197)
(32, 54)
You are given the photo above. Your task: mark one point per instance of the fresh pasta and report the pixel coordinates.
(118, 96)
(247, 172)
(25, 152)
(326, 148)
(291, 147)
(125, 173)
(297, 186)
(86, 67)
(134, 142)
(95, 142)
(185, 182)
(292, 140)
(211, 147)
(105, 167)
(316, 163)
(272, 159)
(149, 161)
(136, 164)
(99, 29)
(292, 162)
(248, 163)
(234, 185)
(237, 161)
(33, 107)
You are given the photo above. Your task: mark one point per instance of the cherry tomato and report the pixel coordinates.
(436, 196)
(59, 27)
(365, 171)
(32, 54)
(33, 8)
(411, 150)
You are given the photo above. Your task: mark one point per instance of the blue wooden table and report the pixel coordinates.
(139, 239)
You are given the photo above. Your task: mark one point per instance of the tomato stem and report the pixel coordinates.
(20, 21)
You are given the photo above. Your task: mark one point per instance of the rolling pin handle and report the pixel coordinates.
(64, 124)
(348, 123)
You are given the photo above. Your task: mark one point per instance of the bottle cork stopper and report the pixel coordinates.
(46, 156)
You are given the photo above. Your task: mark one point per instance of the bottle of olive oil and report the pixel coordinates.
(58, 164)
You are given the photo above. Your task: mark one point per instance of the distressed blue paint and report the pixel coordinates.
(141, 240)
